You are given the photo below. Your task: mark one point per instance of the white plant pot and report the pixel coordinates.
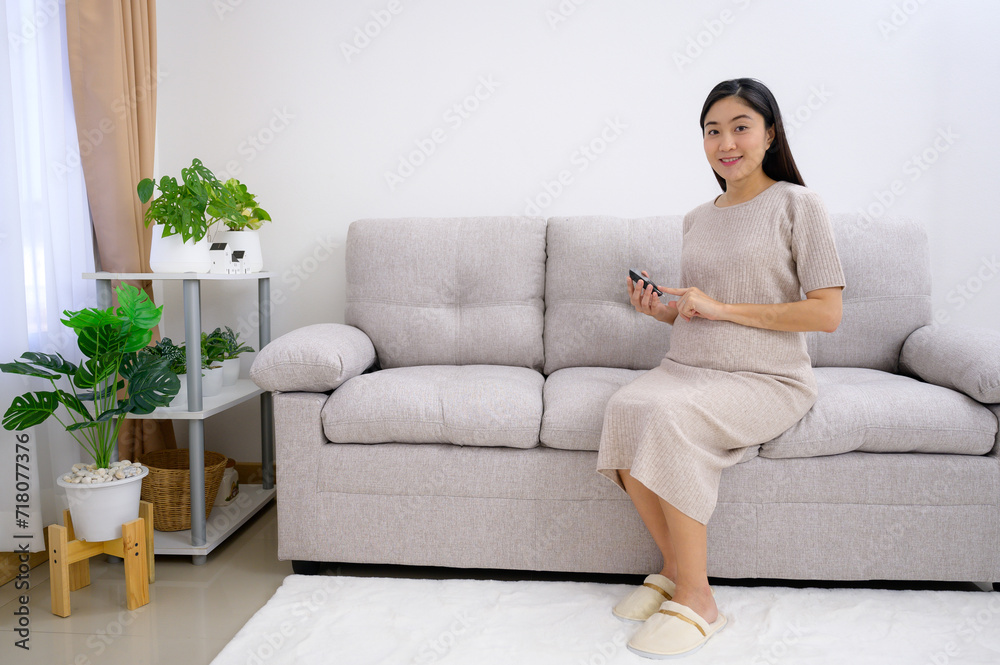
(98, 511)
(181, 398)
(211, 383)
(230, 371)
(249, 242)
(172, 254)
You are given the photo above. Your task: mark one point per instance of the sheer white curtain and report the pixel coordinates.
(45, 242)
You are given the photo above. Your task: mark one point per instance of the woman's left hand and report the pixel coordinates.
(693, 302)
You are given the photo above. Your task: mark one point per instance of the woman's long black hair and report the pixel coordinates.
(778, 163)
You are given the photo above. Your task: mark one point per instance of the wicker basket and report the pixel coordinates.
(168, 486)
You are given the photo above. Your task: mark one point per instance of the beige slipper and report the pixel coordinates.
(674, 630)
(645, 600)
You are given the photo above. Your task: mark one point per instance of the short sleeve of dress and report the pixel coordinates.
(813, 249)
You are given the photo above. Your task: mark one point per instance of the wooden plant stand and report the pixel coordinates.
(69, 565)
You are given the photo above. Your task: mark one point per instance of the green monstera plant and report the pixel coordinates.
(110, 340)
(189, 207)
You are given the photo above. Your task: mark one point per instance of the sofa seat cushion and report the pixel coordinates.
(465, 405)
(878, 412)
(575, 398)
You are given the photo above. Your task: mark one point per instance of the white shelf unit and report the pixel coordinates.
(230, 396)
(223, 521)
(204, 536)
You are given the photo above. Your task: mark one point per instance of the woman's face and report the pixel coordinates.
(736, 139)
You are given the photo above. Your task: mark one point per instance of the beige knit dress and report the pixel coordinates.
(724, 386)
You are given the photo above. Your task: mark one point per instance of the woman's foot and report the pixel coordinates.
(699, 599)
(645, 600)
(674, 630)
(670, 572)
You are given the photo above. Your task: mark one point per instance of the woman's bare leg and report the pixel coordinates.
(690, 544)
(648, 505)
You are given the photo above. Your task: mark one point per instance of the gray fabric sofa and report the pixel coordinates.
(454, 418)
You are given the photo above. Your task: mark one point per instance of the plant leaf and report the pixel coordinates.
(30, 409)
(111, 389)
(135, 305)
(138, 339)
(152, 385)
(92, 372)
(25, 369)
(145, 189)
(52, 361)
(89, 318)
(87, 424)
(73, 403)
(133, 361)
(101, 341)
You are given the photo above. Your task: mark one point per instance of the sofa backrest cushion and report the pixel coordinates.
(588, 319)
(590, 323)
(448, 291)
(886, 264)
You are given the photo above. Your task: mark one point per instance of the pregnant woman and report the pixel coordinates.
(737, 373)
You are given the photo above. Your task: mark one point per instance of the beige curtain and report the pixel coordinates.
(112, 62)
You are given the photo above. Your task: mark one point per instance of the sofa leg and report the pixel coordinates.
(987, 586)
(306, 567)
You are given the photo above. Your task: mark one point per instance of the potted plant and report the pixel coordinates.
(239, 212)
(176, 358)
(233, 348)
(105, 494)
(184, 211)
(213, 352)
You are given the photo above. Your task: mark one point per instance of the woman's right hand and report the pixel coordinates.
(647, 302)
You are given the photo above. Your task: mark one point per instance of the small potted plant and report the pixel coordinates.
(176, 359)
(213, 352)
(239, 212)
(183, 213)
(233, 348)
(105, 494)
(212, 372)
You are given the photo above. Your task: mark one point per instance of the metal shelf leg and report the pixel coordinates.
(266, 400)
(196, 428)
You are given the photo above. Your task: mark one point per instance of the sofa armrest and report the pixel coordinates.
(963, 358)
(995, 408)
(315, 358)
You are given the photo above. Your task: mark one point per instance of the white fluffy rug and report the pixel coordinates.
(364, 620)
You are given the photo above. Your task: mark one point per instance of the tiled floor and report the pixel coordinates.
(195, 610)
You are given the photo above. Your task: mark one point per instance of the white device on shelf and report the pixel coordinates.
(222, 257)
(237, 264)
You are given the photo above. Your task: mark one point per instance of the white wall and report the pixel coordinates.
(264, 91)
